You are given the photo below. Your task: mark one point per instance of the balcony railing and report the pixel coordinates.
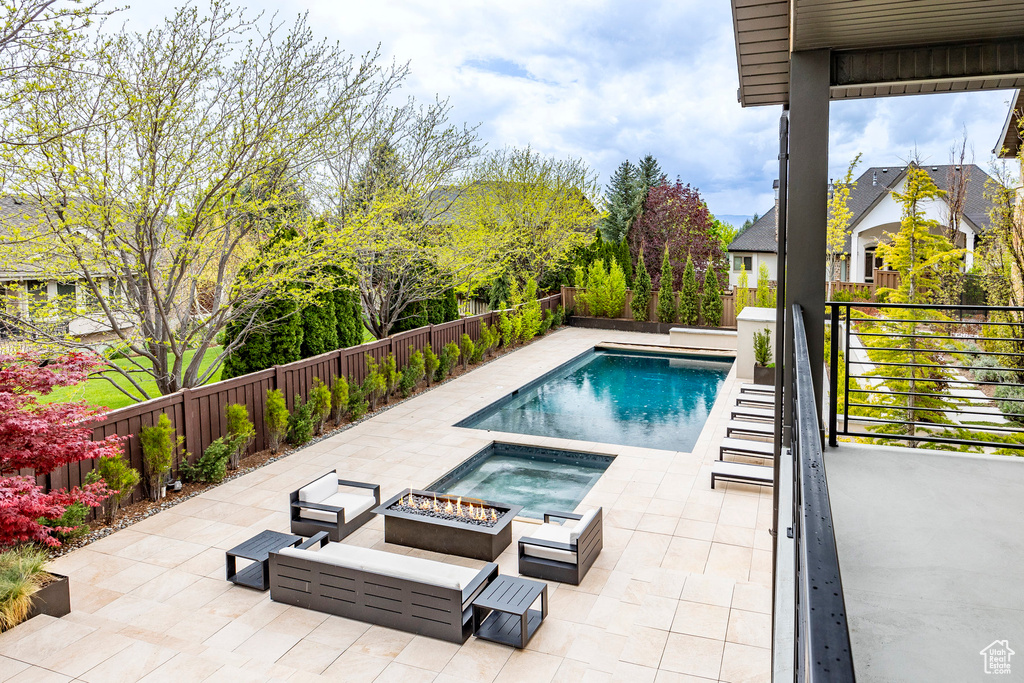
(822, 639)
(927, 375)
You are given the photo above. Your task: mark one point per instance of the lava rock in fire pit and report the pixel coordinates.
(467, 512)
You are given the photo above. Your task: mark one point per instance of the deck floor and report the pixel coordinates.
(931, 553)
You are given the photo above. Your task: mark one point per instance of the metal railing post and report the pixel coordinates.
(833, 373)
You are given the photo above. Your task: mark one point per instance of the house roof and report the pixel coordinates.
(759, 237)
(873, 185)
(1008, 146)
(879, 47)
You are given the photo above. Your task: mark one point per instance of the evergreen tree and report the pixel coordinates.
(625, 260)
(349, 315)
(742, 290)
(620, 202)
(689, 296)
(711, 308)
(319, 327)
(641, 290)
(276, 341)
(648, 175)
(764, 296)
(450, 306)
(667, 311)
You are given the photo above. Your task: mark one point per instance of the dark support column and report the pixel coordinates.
(807, 210)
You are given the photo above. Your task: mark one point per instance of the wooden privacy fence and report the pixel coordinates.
(198, 414)
(728, 306)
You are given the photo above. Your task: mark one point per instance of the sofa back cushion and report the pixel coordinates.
(582, 525)
(321, 489)
(389, 564)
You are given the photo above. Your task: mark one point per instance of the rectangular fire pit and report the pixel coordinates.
(454, 525)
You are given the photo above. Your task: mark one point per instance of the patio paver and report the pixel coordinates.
(681, 589)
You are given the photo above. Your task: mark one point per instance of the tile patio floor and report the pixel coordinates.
(680, 592)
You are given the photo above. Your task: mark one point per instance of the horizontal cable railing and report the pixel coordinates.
(822, 635)
(927, 375)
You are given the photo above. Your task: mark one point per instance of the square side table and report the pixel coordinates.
(257, 549)
(502, 612)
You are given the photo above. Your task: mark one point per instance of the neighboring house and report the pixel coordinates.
(875, 213)
(1009, 143)
(24, 284)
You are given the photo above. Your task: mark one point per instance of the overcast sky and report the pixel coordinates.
(607, 81)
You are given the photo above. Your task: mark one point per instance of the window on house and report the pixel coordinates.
(66, 290)
(743, 263)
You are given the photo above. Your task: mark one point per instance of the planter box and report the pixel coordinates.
(763, 375)
(448, 536)
(53, 599)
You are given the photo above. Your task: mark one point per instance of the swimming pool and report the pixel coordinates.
(612, 396)
(540, 479)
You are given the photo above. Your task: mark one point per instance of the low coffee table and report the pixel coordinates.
(511, 621)
(258, 549)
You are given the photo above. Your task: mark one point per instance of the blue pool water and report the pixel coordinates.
(540, 479)
(633, 399)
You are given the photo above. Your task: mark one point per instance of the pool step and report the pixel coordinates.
(757, 389)
(757, 401)
(752, 428)
(760, 449)
(741, 472)
(759, 414)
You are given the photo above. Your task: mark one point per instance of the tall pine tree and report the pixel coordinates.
(689, 296)
(667, 310)
(620, 203)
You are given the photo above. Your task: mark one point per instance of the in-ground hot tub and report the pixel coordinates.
(538, 479)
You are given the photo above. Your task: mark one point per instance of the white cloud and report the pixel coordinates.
(607, 81)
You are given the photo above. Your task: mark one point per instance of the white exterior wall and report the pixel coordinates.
(886, 217)
(770, 260)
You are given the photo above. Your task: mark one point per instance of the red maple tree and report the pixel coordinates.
(674, 215)
(42, 437)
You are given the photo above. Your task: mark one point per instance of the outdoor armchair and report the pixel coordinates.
(320, 506)
(563, 552)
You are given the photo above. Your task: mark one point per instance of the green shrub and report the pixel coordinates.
(22, 572)
(841, 296)
(375, 385)
(529, 313)
(357, 405)
(641, 289)
(275, 418)
(506, 327)
(558, 318)
(301, 422)
(158, 444)
(120, 478)
(763, 347)
(667, 310)
(468, 349)
(765, 295)
(240, 429)
(348, 313)
(339, 398)
(992, 371)
(545, 322)
(742, 291)
(689, 299)
(319, 404)
(74, 522)
(711, 308)
(430, 364)
(615, 300)
(212, 466)
(279, 342)
(449, 357)
(1011, 407)
(407, 381)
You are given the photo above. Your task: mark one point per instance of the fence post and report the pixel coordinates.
(188, 425)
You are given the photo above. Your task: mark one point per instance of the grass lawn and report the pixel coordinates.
(100, 392)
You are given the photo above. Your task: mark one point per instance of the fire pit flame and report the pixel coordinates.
(450, 509)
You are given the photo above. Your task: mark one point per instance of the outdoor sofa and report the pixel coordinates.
(320, 506)
(408, 593)
(563, 553)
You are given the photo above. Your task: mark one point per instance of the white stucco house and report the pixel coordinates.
(875, 213)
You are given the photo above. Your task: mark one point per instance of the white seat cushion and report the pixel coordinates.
(582, 524)
(389, 564)
(354, 504)
(321, 489)
(550, 532)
